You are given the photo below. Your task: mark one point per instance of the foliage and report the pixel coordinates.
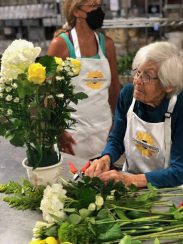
(73, 233)
(125, 64)
(99, 213)
(23, 196)
(35, 100)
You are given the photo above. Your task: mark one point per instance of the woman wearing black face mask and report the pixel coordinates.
(98, 77)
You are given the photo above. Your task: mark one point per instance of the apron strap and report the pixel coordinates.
(100, 52)
(168, 119)
(76, 44)
(131, 106)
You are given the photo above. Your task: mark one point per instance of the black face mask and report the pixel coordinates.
(95, 18)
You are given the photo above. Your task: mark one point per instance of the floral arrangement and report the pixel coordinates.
(91, 212)
(35, 100)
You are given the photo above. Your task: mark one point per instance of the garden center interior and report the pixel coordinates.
(130, 23)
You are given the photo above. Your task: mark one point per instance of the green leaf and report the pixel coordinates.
(4, 127)
(25, 196)
(146, 196)
(69, 210)
(25, 88)
(156, 241)
(79, 96)
(126, 240)
(85, 196)
(178, 215)
(136, 242)
(84, 212)
(51, 231)
(16, 137)
(120, 213)
(104, 214)
(50, 64)
(112, 233)
(133, 214)
(74, 219)
(151, 187)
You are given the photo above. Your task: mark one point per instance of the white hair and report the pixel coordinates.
(169, 59)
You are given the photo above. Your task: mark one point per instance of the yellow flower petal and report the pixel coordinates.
(51, 240)
(37, 242)
(36, 73)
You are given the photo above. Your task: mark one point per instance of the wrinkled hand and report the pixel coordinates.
(98, 166)
(66, 143)
(128, 179)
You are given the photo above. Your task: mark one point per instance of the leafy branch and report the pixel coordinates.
(22, 196)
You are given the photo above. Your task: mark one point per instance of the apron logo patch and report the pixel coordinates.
(145, 144)
(94, 80)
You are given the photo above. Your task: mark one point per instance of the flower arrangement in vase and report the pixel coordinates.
(36, 94)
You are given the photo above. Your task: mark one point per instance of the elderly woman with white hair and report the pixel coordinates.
(148, 123)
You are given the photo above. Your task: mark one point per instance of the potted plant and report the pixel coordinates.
(35, 101)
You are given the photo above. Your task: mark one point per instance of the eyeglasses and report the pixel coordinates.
(136, 74)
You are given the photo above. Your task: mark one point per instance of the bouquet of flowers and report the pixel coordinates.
(92, 212)
(35, 100)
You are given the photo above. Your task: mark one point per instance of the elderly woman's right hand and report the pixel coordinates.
(98, 166)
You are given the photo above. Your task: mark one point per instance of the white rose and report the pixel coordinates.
(8, 88)
(92, 207)
(53, 202)
(38, 226)
(9, 112)
(1, 89)
(16, 100)
(8, 98)
(17, 58)
(14, 85)
(59, 78)
(61, 95)
(99, 201)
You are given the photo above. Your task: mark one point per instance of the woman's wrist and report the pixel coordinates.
(107, 160)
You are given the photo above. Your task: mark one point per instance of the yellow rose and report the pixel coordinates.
(76, 66)
(51, 240)
(59, 62)
(37, 242)
(36, 73)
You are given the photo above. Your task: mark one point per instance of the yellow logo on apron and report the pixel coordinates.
(145, 144)
(95, 80)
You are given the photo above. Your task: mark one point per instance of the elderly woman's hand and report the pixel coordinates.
(128, 179)
(98, 166)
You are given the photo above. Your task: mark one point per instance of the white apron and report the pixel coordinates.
(147, 145)
(93, 115)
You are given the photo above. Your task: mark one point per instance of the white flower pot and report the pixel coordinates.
(43, 175)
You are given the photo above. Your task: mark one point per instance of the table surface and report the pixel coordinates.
(16, 226)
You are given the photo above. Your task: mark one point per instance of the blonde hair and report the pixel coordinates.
(69, 7)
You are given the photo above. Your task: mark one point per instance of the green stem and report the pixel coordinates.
(138, 220)
(141, 210)
(171, 195)
(163, 234)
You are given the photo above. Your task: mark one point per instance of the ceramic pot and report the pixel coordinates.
(43, 175)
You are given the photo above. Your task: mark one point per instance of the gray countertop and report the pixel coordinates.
(16, 226)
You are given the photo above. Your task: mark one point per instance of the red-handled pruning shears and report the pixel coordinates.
(78, 173)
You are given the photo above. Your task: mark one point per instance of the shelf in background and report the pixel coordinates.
(141, 22)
